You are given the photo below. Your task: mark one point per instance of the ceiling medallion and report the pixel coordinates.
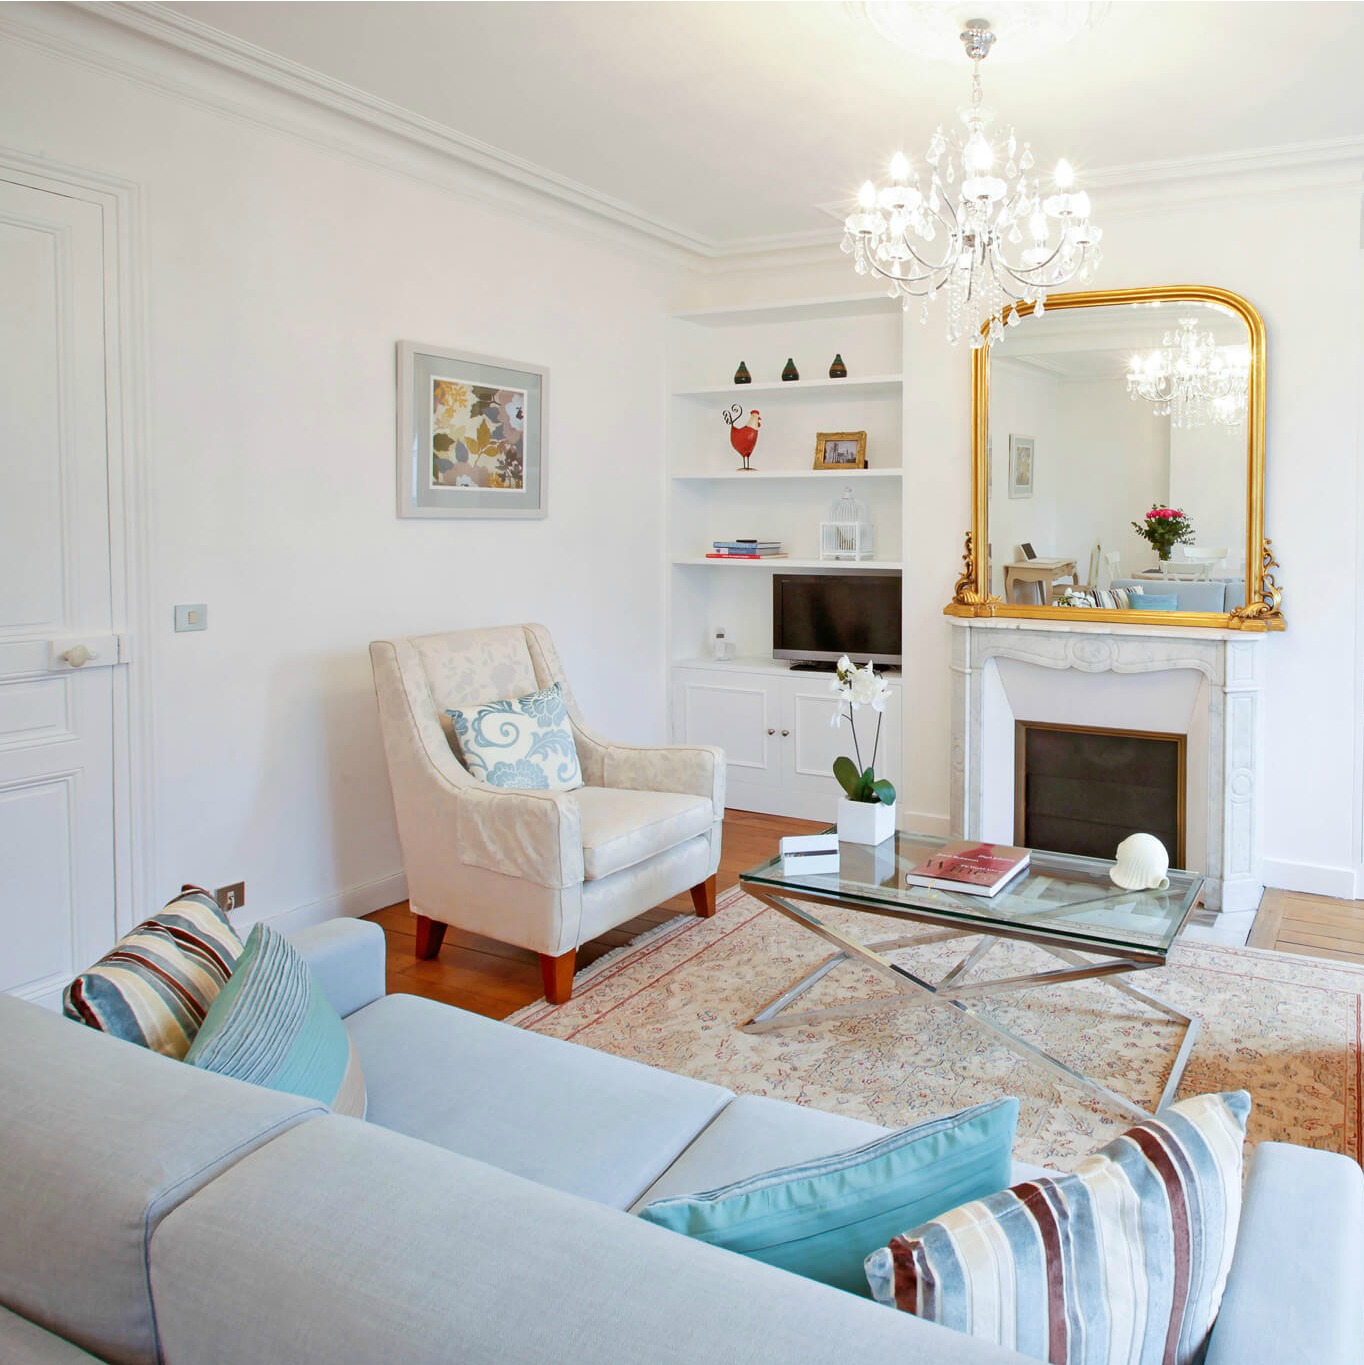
(989, 241)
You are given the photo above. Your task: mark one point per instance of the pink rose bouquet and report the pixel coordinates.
(1163, 528)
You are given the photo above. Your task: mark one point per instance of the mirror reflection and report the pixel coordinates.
(1103, 417)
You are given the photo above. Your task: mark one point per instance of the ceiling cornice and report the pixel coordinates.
(1140, 187)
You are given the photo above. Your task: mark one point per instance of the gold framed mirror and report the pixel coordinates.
(1117, 447)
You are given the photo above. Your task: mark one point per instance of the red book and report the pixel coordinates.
(974, 868)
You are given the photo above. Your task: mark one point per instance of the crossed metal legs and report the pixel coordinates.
(952, 990)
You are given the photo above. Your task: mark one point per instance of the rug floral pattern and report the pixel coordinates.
(1286, 1028)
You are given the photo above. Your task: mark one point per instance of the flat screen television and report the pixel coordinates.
(817, 618)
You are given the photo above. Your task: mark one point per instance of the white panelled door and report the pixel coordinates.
(58, 652)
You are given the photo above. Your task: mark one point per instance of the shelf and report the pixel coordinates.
(803, 310)
(873, 384)
(829, 475)
(860, 565)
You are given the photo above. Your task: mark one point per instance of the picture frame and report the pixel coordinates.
(1028, 551)
(1022, 456)
(471, 434)
(841, 450)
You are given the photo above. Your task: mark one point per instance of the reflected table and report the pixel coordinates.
(1065, 905)
(1043, 572)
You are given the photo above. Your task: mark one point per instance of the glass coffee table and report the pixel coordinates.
(1065, 905)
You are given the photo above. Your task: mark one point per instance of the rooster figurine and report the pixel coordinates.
(743, 436)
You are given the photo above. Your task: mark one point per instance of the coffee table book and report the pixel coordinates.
(973, 868)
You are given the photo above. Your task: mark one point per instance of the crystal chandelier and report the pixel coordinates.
(986, 240)
(1191, 381)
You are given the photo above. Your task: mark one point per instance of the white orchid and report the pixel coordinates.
(856, 687)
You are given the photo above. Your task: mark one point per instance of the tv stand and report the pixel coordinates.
(824, 666)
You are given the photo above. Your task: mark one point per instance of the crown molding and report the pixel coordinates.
(492, 175)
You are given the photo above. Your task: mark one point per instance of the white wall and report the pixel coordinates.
(1313, 494)
(278, 278)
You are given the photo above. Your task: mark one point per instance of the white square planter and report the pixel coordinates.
(864, 822)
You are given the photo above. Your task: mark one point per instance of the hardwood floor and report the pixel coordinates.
(496, 979)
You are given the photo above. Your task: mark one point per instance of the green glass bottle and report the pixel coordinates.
(741, 375)
(790, 372)
(838, 370)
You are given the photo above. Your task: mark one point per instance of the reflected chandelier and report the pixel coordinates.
(964, 232)
(1191, 381)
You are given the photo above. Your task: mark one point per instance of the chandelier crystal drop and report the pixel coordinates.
(1191, 380)
(976, 223)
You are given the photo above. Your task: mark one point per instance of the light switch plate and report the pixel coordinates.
(191, 617)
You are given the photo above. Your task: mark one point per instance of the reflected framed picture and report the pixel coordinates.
(1020, 466)
(471, 434)
(841, 450)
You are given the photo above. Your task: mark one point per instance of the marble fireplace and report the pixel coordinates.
(1203, 685)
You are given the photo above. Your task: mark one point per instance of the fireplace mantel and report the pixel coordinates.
(1004, 668)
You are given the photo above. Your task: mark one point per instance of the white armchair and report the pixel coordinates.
(546, 870)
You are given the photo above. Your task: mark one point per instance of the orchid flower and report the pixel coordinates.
(857, 687)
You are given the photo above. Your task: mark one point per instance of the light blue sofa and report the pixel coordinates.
(153, 1212)
(1216, 594)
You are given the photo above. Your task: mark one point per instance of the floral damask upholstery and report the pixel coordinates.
(511, 863)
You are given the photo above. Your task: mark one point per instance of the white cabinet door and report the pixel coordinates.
(57, 887)
(739, 712)
(815, 743)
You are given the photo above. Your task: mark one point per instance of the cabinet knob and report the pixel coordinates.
(771, 730)
(784, 733)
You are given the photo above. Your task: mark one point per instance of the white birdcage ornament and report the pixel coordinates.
(847, 533)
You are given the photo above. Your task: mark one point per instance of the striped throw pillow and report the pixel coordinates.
(1125, 1260)
(154, 986)
(272, 1025)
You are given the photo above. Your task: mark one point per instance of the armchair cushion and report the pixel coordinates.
(622, 828)
(525, 743)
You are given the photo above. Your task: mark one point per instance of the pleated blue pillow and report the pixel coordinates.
(822, 1218)
(272, 1025)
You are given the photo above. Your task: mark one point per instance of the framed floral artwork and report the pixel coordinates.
(471, 434)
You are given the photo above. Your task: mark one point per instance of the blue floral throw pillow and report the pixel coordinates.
(526, 743)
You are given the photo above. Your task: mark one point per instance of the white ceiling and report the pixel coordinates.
(729, 122)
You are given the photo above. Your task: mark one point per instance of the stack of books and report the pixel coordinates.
(975, 868)
(746, 549)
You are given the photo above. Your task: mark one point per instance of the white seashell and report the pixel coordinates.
(1142, 863)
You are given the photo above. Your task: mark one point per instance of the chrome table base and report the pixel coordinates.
(954, 991)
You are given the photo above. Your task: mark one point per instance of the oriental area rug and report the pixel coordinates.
(1283, 1027)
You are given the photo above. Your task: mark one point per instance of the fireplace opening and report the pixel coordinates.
(1083, 790)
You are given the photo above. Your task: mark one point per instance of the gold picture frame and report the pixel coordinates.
(841, 450)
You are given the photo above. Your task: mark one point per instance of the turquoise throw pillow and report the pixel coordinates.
(1153, 601)
(821, 1219)
(272, 1025)
(525, 743)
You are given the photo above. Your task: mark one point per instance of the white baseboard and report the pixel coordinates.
(920, 822)
(1310, 878)
(351, 903)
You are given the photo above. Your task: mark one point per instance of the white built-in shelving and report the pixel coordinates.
(783, 497)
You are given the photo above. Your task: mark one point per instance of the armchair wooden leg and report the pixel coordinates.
(557, 974)
(430, 934)
(703, 897)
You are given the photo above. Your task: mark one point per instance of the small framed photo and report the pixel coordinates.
(471, 434)
(841, 450)
(1020, 466)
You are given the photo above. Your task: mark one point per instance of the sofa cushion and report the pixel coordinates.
(101, 1139)
(1124, 1260)
(526, 742)
(621, 828)
(820, 1218)
(409, 1254)
(1154, 601)
(273, 1026)
(154, 986)
(566, 1116)
(25, 1343)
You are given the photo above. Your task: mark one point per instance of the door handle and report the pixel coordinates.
(94, 651)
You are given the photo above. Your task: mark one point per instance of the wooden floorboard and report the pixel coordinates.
(497, 979)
